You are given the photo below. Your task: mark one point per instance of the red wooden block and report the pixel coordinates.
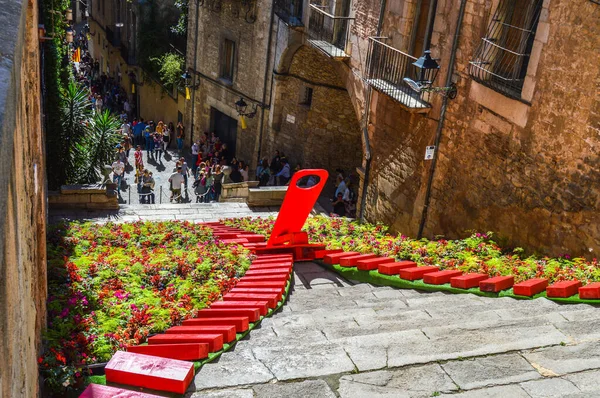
(441, 277)
(266, 278)
(214, 340)
(254, 284)
(496, 284)
(271, 299)
(467, 281)
(288, 265)
(147, 371)
(394, 268)
(335, 258)
(184, 352)
(274, 256)
(530, 287)
(352, 260)
(267, 271)
(286, 258)
(372, 263)
(590, 292)
(252, 314)
(241, 323)
(252, 238)
(100, 391)
(225, 235)
(319, 254)
(563, 289)
(242, 290)
(261, 305)
(286, 268)
(412, 274)
(235, 240)
(227, 331)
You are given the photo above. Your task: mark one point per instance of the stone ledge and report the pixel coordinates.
(91, 197)
(82, 189)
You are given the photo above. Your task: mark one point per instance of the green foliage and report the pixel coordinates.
(74, 114)
(170, 68)
(180, 28)
(98, 146)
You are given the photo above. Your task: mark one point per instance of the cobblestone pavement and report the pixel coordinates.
(334, 338)
(161, 170)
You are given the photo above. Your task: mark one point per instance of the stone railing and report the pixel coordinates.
(91, 197)
(237, 191)
(266, 196)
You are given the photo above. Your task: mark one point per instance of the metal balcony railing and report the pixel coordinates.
(328, 33)
(289, 11)
(113, 36)
(387, 67)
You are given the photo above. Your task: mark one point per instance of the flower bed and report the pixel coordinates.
(112, 285)
(477, 253)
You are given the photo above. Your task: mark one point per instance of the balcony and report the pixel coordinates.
(113, 35)
(289, 11)
(387, 67)
(328, 33)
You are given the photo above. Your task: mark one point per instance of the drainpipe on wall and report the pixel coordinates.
(440, 126)
(266, 76)
(194, 71)
(366, 117)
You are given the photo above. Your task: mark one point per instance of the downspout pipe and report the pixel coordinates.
(366, 117)
(430, 23)
(440, 126)
(265, 84)
(194, 71)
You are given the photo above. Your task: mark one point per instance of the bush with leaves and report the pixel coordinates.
(170, 68)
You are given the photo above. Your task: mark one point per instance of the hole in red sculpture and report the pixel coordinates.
(308, 181)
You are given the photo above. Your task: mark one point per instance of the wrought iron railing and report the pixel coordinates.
(113, 37)
(289, 11)
(328, 32)
(387, 67)
(503, 56)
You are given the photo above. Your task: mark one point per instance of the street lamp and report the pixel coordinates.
(240, 107)
(426, 70)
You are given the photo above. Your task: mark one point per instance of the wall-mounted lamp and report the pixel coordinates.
(241, 107)
(426, 70)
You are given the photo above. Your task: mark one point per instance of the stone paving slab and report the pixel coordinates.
(568, 359)
(511, 391)
(490, 371)
(549, 388)
(417, 381)
(307, 388)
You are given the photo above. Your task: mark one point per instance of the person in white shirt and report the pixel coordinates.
(176, 179)
(118, 168)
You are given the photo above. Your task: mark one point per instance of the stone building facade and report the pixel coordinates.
(516, 147)
(117, 49)
(22, 200)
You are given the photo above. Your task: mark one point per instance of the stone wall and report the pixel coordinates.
(325, 134)
(90, 197)
(22, 202)
(527, 169)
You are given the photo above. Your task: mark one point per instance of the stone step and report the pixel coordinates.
(148, 371)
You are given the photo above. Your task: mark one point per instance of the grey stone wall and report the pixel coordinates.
(22, 201)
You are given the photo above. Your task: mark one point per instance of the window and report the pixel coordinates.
(306, 96)
(503, 55)
(227, 60)
(290, 11)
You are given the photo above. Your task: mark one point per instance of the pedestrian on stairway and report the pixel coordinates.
(138, 132)
(118, 168)
(139, 158)
(180, 135)
(217, 183)
(176, 179)
(158, 145)
(149, 142)
(184, 170)
(166, 137)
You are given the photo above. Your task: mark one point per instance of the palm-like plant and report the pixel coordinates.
(98, 146)
(76, 110)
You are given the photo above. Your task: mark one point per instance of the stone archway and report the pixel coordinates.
(313, 119)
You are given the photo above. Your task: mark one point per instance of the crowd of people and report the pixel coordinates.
(210, 158)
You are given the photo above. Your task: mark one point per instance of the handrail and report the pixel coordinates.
(392, 48)
(328, 14)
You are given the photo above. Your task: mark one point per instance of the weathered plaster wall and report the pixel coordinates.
(324, 135)
(22, 202)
